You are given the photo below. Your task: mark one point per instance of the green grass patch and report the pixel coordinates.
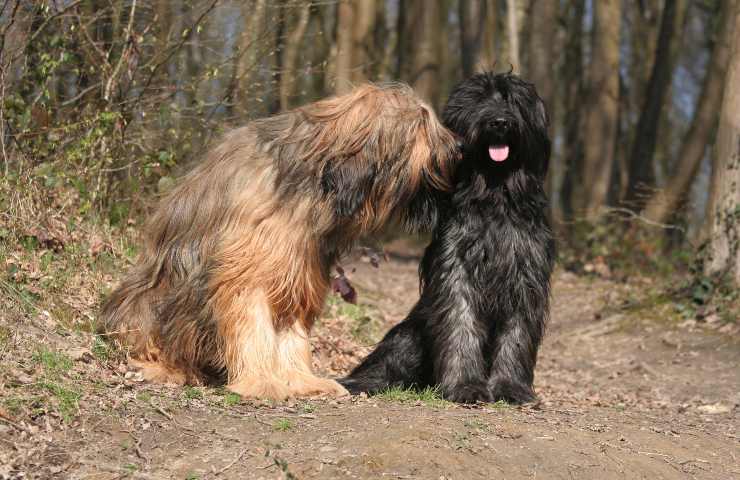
(283, 425)
(192, 393)
(52, 361)
(66, 399)
(100, 349)
(429, 396)
(145, 397)
(231, 399)
(499, 404)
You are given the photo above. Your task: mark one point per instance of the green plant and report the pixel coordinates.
(192, 393)
(231, 399)
(283, 425)
(52, 361)
(145, 397)
(429, 396)
(66, 398)
(100, 349)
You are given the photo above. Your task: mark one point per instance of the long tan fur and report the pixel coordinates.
(236, 262)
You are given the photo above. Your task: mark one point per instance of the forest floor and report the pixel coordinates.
(628, 389)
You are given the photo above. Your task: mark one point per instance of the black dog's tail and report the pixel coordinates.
(397, 361)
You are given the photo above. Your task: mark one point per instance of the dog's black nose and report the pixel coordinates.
(500, 124)
(459, 144)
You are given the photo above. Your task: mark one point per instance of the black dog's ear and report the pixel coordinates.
(348, 183)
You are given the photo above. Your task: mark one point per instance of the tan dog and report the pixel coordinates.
(236, 263)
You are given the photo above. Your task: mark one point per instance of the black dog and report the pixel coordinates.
(485, 276)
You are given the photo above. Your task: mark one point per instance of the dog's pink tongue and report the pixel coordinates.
(498, 153)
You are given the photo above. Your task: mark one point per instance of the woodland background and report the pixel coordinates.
(104, 102)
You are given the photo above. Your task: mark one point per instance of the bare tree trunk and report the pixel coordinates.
(601, 110)
(572, 152)
(543, 19)
(424, 20)
(641, 167)
(487, 51)
(664, 203)
(255, 19)
(278, 46)
(362, 41)
(513, 34)
(292, 45)
(472, 21)
(724, 241)
(343, 59)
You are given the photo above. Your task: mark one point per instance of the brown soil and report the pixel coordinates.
(625, 393)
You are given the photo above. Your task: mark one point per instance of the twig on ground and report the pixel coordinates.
(137, 446)
(164, 412)
(233, 462)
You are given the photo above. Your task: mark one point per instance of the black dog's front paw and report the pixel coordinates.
(471, 393)
(512, 392)
(352, 385)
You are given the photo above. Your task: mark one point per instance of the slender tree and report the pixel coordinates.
(543, 20)
(664, 203)
(254, 30)
(472, 21)
(290, 57)
(343, 58)
(572, 95)
(724, 227)
(601, 110)
(641, 178)
(423, 21)
(512, 13)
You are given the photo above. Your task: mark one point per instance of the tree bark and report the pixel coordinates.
(573, 91)
(423, 20)
(472, 22)
(292, 45)
(343, 60)
(543, 19)
(665, 202)
(641, 179)
(724, 229)
(601, 111)
(362, 40)
(255, 19)
(513, 34)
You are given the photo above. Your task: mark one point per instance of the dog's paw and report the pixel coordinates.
(511, 392)
(353, 386)
(471, 393)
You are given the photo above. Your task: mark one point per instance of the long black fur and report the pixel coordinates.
(485, 276)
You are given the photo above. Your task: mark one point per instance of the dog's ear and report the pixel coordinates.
(348, 183)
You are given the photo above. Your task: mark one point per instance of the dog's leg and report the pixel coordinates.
(264, 363)
(512, 372)
(397, 361)
(294, 362)
(250, 347)
(459, 339)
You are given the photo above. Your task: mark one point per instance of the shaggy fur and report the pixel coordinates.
(485, 277)
(236, 262)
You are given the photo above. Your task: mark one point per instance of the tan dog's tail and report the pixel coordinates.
(128, 315)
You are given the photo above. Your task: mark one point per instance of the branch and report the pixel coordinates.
(129, 40)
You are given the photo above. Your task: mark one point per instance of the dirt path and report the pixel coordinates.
(623, 396)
